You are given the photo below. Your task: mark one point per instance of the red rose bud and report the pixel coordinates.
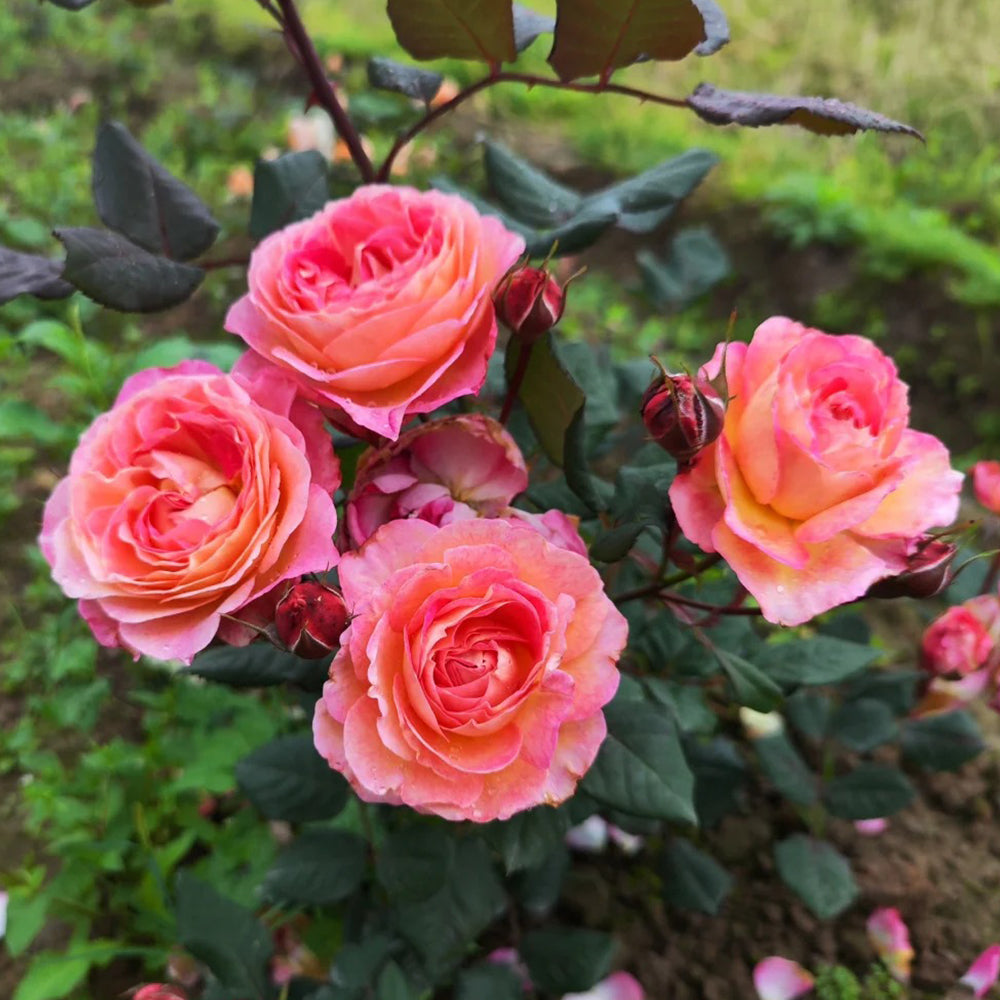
(310, 619)
(683, 414)
(159, 991)
(928, 572)
(529, 302)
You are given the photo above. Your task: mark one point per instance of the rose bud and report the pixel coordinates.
(986, 484)
(159, 991)
(310, 619)
(529, 302)
(963, 639)
(683, 414)
(928, 572)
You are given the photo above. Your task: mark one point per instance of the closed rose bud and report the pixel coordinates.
(963, 639)
(683, 414)
(159, 991)
(310, 619)
(529, 302)
(928, 573)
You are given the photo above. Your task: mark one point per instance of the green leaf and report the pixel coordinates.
(526, 192)
(720, 775)
(863, 724)
(456, 29)
(614, 544)
(287, 779)
(22, 421)
(594, 39)
(809, 712)
(258, 665)
(942, 742)
(817, 873)
(318, 868)
(411, 863)
(30, 274)
(227, 937)
(687, 702)
(392, 984)
(817, 114)
(528, 837)
(566, 959)
(695, 262)
(292, 187)
(25, 918)
(356, 965)
(387, 74)
(870, 791)
(137, 197)
(751, 686)
(537, 888)
(895, 688)
(641, 768)
(59, 339)
(575, 466)
(549, 394)
(820, 659)
(786, 769)
(489, 982)
(51, 976)
(692, 880)
(116, 273)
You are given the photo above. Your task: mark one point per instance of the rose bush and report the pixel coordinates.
(380, 304)
(471, 679)
(817, 484)
(187, 502)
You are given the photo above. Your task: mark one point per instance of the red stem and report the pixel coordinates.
(530, 81)
(718, 609)
(515, 383)
(308, 57)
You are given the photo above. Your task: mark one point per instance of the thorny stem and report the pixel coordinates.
(308, 57)
(515, 383)
(717, 609)
(529, 80)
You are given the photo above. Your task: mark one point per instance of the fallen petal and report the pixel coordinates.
(781, 979)
(890, 938)
(871, 827)
(618, 986)
(983, 972)
(590, 836)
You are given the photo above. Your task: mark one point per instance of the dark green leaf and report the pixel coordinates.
(817, 873)
(809, 712)
(526, 192)
(788, 772)
(258, 665)
(292, 187)
(692, 880)
(287, 779)
(357, 965)
(615, 543)
(319, 867)
(594, 39)
(411, 863)
(870, 791)
(576, 468)
(137, 197)
(387, 74)
(695, 263)
(720, 774)
(864, 724)
(392, 984)
(528, 837)
(489, 982)
(817, 114)
(641, 768)
(566, 959)
(116, 273)
(30, 274)
(456, 29)
(537, 888)
(687, 702)
(820, 659)
(227, 937)
(751, 686)
(942, 742)
(895, 688)
(528, 25)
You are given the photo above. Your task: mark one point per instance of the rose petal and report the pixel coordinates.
(778, 978)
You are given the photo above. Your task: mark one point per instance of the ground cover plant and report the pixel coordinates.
(531, 615)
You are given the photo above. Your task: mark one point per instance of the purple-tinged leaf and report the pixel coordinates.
(387, 74)
(716, 27)
(30, 274)
(71, 4)
(826, 116)
(596, 37)
(457, 29)
(137, 197)
(528, 25)
(116, 273)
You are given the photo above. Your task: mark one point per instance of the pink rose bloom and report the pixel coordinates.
(961, 640)
(380, 304)
(471, 679)
(446, 470)
(816, 484)
(986, 484)
(559, 528)
(187, 502)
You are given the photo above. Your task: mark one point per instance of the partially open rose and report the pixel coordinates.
(817, 484)
(471, 679)
(187, 502)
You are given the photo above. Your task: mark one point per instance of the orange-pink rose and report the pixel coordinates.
(380, 304)
(817, 484)
(471, 680)
(986, 484)
(187, 502)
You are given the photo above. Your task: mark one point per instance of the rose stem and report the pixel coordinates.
(515, 383)
(308, 58)
(530, 81)
(652, 589)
